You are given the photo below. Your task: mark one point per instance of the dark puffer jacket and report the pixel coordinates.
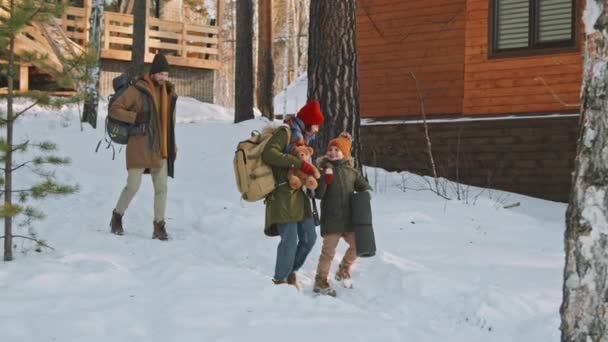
(335, 198)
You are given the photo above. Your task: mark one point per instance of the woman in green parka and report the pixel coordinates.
(288, 212)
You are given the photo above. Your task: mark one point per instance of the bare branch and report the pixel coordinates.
(21, 165)
(16, 116)
(562, 102)
(19, 146)
(365, 8)
(513, 205)
(16, 191)
(431, 190)
(40, 242)
(426, 129)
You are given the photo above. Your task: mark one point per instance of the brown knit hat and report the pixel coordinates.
(344, 142)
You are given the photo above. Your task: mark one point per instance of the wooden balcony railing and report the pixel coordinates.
(183, 44)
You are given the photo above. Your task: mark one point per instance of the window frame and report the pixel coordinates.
(534, 46)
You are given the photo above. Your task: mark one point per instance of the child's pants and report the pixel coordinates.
(328, 251)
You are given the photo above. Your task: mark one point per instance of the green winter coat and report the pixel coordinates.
(283, 205)
(335, 198)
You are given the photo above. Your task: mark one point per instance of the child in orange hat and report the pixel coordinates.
(339, 181)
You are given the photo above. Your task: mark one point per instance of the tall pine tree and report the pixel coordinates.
(138, 51)
(332, 70)
(91, 101)
(243, 73)
(265, 74)
(29, 155)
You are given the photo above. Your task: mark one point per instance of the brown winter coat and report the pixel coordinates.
(283, 204)
(143, 151)
(335, 198)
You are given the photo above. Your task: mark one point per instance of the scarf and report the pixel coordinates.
(162, 108)
(299, 136)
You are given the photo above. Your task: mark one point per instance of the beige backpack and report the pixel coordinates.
(254, 178)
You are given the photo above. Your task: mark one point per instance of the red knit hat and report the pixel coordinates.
(343, 142)
(311, 114)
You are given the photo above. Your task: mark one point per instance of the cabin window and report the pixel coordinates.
(532, 26)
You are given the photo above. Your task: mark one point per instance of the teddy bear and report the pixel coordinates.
(296, 177)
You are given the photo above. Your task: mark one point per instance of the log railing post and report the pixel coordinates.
(106, 32)
(87, 25)
(147, 32)
(24, 78)
(218, 13)
(184, 41)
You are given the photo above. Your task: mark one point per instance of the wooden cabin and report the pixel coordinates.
(498, 82)
(189, 41)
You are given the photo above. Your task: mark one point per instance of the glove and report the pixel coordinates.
(307, 168)
(329, 175)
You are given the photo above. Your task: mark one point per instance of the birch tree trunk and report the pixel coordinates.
(243, 75)
(585, 290)
(91, 101)
(265, 73)
(332, 70)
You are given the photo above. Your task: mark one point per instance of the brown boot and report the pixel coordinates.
(292, 280)
(159, 231)
(279, 281)
(322, 287)
(116, 224)
(343, 272)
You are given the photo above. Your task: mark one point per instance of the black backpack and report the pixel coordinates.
(119, 131)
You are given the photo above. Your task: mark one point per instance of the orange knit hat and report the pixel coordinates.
(344, 142)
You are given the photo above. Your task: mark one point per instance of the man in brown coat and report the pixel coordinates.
(149, 105)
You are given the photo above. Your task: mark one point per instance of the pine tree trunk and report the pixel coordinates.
(138, 52)
(92, 87)
(265, 73)
(584, 308)
(332, 70)
(223, 83)
(243, 75)
(8, 163)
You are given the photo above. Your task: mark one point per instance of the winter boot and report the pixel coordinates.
(322, 287)
(159, 231)
(279, 281)
(116, 223)
(292, 280)
(343, 275)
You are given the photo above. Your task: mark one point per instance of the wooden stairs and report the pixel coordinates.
(49, 40)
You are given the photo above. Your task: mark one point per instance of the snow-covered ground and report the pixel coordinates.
(444, 271)
(289, 100)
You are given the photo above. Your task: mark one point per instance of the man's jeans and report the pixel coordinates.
(297, 239)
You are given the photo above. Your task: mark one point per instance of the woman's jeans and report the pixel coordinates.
(297, 239)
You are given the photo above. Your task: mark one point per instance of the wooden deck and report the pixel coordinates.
(184, 44)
